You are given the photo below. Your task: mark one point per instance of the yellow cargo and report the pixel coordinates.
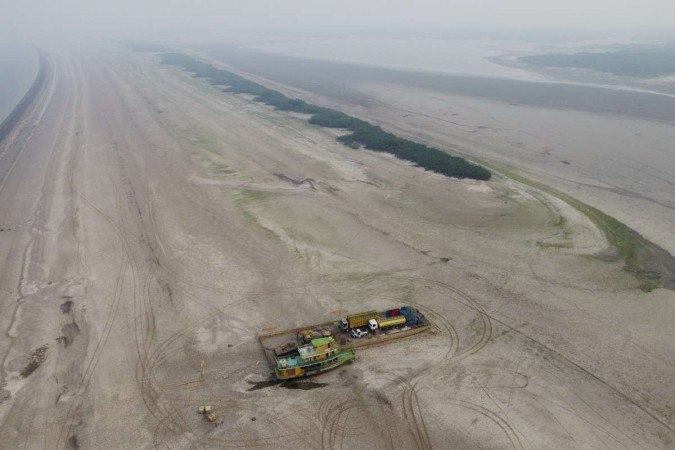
(392, 321)
(361, 319)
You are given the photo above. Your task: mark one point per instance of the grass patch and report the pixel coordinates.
(222, 168)
(634, 62)
(555, 245)
(213, 158)
(648, 285)
(206, 144)
(217, 166)
(248, 196)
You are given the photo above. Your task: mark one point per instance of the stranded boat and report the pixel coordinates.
(318, 356)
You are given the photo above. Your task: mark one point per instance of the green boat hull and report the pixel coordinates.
(313, 369)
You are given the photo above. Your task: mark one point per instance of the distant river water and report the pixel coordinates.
(19, 65)
(333, 79)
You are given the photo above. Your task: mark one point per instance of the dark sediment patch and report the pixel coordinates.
(73, 443)
(35, 359)
(69, 330)
(303, 385)
(289, 384)
(654, 265)
(382, 398)
(257, 385)
(4, 395)
(66, 307)
(294, 182)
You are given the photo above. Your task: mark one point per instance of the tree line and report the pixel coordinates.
(362, 133)
(640, 63)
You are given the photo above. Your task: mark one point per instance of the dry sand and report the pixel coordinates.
(150, 221)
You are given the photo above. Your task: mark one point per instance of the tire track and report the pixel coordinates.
(143, 315)
(33, 255)
(413, 415)
(61, 147)
(164, 411)
(93, 362)
(334, 422)
(72, 157)
(493, 417)
(466, 300)
(411, 408)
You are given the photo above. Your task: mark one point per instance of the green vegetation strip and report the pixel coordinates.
(641, 63)
(362, 133)
(653, 266)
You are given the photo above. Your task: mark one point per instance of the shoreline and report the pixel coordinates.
(307, 74)
(28, 99)
(651, 264)
(362, 134)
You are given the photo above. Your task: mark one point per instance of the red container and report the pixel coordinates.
(395, 312)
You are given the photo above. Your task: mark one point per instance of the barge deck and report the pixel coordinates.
(272, 339)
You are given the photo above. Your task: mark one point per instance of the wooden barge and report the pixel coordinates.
(281, 347)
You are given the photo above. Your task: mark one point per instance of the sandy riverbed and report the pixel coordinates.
(150, 221)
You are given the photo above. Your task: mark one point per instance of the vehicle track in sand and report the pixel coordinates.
(142, 269)
(36, 267)
(172, 265)
(412, 410)
(356, 417)
(115, 303)
(414, 416)
(154, 396)
(20, 138)
(74, 225)
(410, 406)
(483, 342)
(492, 415)
(155, 399)
(64, 431)
(32, 272)
(145, 272)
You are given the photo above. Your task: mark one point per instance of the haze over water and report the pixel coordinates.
(18, 68)
(332, 78)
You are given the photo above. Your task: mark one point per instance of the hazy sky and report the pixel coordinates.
(28, 17)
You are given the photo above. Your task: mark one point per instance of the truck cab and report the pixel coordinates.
(373, 325)
(344, 324)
